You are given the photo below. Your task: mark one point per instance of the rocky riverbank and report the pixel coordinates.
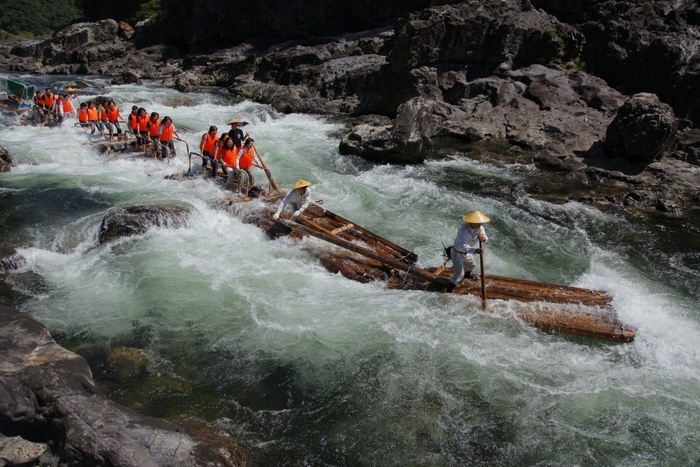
(50, 401)
(517, 74)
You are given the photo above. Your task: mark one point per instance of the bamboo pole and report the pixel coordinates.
(483, 276)
(273, 183)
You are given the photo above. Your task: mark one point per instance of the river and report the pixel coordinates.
(302, 367)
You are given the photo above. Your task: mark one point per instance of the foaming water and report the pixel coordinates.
(305, 367)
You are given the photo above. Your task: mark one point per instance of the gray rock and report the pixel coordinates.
(9, 258)
(5, 160)
(18, 451)
(47, 389)
(136, 220)
(127, 77)
(187, 82)
(644, 129)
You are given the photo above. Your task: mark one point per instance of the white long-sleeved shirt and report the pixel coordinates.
(297, 198)
(468, 238)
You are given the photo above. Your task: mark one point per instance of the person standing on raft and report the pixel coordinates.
(464, 247)
(299, 199)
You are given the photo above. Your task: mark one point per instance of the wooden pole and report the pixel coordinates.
(483, 277)
(273, 183)
(409, 268)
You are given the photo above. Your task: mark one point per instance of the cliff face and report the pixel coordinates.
(225, 23)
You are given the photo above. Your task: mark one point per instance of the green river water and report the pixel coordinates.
(302, 367)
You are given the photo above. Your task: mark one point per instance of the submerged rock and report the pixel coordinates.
(136, 220)
(9, 258)
(5, 160)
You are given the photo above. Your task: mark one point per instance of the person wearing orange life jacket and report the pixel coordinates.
(48, 104)
(133, 123)
(102, 116)
(93, 117)
(166, 131)
(113, 120)
(207, 148)
(83, 118)
(227, 157)
(63, 107)
(245, 160)
(153, 126)
(142, 128)
(67, 106)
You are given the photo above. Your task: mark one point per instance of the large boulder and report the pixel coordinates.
(5, 160)
(643, 131)
(47, 392)
(136, 220)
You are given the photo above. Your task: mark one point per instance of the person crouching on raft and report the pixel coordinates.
(299, 199)
(464, 247)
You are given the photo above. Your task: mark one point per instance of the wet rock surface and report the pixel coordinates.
(5, 160)
(425, 80)
(47, 395)
(136, 220)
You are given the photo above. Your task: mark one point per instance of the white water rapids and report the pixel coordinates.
(305, 367)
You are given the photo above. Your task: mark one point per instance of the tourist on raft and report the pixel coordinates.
(142, 136)
(83, 118)
(133, 124)
(236, 133)
(93, 118)
(153, 127)
(207, 148)
(113, 120)
(299, 199)
(166, 131)
(245, 160)
(464, 247)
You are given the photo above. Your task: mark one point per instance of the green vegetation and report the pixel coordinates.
(36, 17)
(31, 18)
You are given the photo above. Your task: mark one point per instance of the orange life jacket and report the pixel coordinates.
(133, 121)
(103, 113)
(210, 144)
(113, 114)
(229, 156)
(83, 114)
(154, 127)
(92, 114)
(166, 134)
(246, 158)
(143, 123)
(48, 99)
(67, 106)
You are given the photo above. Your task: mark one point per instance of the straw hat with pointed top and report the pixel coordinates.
(69, 89)
(476, 217)
(235, 120)
(300, 184)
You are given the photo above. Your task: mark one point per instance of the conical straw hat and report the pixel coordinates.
(300, 184)
(235, 120)
(476, 217)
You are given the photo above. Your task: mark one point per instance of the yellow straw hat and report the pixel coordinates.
(476, 217)
(235, 120)
(69, 89)
(300, 184)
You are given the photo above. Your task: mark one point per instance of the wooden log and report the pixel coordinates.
(411, 256)
(408, 268)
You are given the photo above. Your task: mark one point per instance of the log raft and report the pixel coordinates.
(550, 307)
(365, 256)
